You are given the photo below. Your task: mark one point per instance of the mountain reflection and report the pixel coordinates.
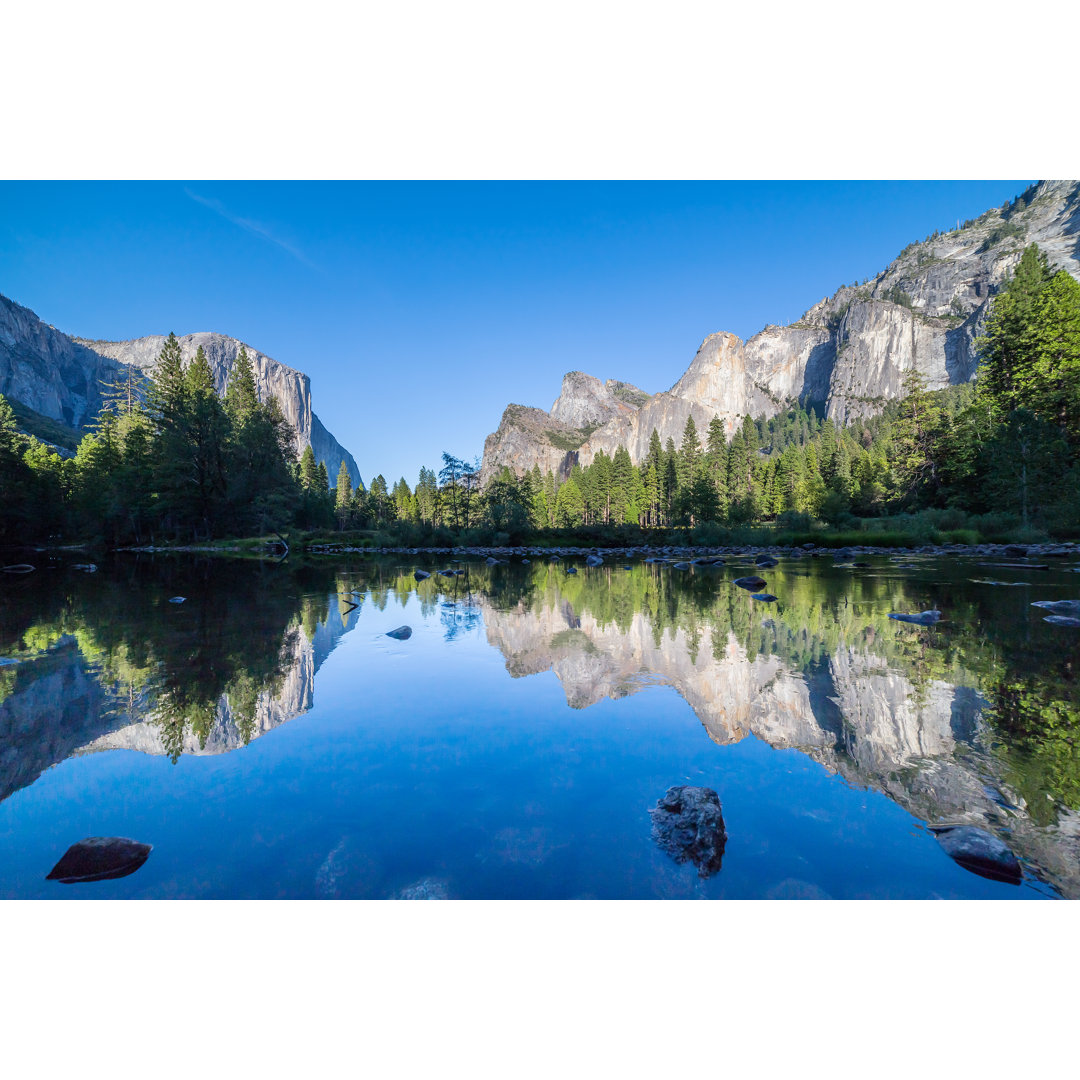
(974, 721)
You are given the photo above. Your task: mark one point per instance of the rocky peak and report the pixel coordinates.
(848, 353)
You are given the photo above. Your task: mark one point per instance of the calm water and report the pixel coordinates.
(269, 740)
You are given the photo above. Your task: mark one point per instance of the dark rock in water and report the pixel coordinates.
(420, 574)
(525, 562)
(491, 562)
(402, 633)
(764, 597)
(571, 569)
(18, 568)
(923, 618)
(99, 858)
(594, 560)
(981, 852)
(554, 558)
(680, 566)
(1015, 551)
(754, 584)
(687, 824)
(177, 599)
(1062, 620)
(765, 561)
(447, 573)
(1059, 607)
(86, 568)
(861, 565)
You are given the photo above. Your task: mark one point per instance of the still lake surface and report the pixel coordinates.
(270, 741)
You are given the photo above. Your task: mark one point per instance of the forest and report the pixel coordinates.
(171, 460)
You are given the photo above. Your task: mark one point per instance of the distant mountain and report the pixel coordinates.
(846, 356)
(60, 377)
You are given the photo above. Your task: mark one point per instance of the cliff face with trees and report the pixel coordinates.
(845, 358)
(54, 377)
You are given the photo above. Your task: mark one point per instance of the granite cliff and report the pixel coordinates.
(61, 377)
(846, 356)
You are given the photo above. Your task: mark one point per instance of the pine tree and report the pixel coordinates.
(343, 495)
(241, 397)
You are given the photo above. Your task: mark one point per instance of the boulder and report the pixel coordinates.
(765, 561)
(680, 566)
(1059, 607)
(687, 823)
(923, 618)
(99, 858)
(571, 569)
(764, 597)
(491, 562)
(753, 584)
(1015, 551)
(402, 633)
(1062, 620)
(981, 852)
(594, 560)
(177, 599)
(420, 574)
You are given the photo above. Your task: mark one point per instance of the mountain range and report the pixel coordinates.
(845, 357)
(49, 375)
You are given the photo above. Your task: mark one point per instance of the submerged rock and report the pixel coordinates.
(447, 573)
(571, 569)
(420, 574)
(491, 562)
(766, 561)
(764, 597)
(923, 618)
(680, 566)
(426, 889)
(688, 825)
(402, 633)
(594, 560)
(753, 584)
(99, 858)
(177, 599)
(981, 852)
(1062, 620)
(86, 568)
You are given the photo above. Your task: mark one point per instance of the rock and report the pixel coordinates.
(99, 858)
(177, 599)
(571, 569)
(491, 562)
(1015, 551)
(753, 584)
(448, 573)
(554, 558)
(87, 568)
(981, 852)
(1059, 607)
(402, 633)
(18, 568)
(766, 561)
(687, 823)
(923, 618)
(1062, 620)
(765, 597)
(680, 566)
(420, 574)
(525, 562)
(594, 560)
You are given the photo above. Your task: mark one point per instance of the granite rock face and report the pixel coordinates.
(61, 377)
(846, 356)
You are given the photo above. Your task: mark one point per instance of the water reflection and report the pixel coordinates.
(973, 722)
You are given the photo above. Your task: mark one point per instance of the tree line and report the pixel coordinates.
(171, 458)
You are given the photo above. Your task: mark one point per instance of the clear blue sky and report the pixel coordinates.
(421, 309)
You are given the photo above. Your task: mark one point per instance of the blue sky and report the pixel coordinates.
(421, 309)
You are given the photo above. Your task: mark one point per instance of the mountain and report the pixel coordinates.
(60, 377)
(846, 356)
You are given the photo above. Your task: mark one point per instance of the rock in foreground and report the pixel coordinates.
(923, 618)
(687, 823)
(402, 633)
(981, 852)
(99, 858)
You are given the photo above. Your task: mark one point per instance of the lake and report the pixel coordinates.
(269, 740)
